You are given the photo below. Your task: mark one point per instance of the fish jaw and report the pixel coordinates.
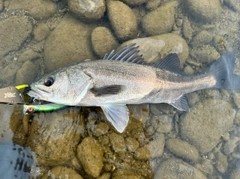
(40, 92)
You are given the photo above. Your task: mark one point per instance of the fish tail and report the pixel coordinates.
(222, 69)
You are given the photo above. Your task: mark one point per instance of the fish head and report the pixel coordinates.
(65, 86)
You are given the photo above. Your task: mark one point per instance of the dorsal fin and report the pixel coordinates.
(170, 63)
(126, 54)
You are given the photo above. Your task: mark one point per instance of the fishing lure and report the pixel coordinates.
(42, 107)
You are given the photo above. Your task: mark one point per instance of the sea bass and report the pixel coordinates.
(124, 78)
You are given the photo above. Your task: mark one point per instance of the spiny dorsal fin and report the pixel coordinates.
(170, 63)
(126, 54)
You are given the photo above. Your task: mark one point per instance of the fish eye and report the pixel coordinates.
(49, 81)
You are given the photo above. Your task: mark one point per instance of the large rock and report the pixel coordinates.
(160, 20)
(175, 169)
(36, 8)
(134, 2)
(90, 154)
(157, 47)
(205, 10)
(89, 10)
(206, 122)
(13, 32)
(122, 19)
(68, 43)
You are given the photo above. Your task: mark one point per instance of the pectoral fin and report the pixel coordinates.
(117, 115)
(181, 103)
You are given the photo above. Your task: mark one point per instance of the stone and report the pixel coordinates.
(90, 154)
(221, 162)
(139, 112)
(214, 117)
(160, 20)
(153, 4)
(142, 153)
(100, 129)
(105, 176)
(205, 166)
(162, 123)
(122, 20)
(131, 144)
(235, 173)
(125, 174)
(68, 43)
(205, 10)
(54, 136)
(205, 54)
(61, 172)
(41, 32)
(175, 169)
(157, 47)
(88, 10)
(44, 9)
(156, 146)
(183, 149)
(13, 32)
(117, 142)
(202, 38)
(134, 2)
(187, 29)
(236, 99)
(103, 41)
(27, 73)
(1, 5)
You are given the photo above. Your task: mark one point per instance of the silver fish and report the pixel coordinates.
(123, 78)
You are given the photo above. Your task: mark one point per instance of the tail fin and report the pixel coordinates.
(223, 72)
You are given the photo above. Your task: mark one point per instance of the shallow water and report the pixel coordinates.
(159, 142)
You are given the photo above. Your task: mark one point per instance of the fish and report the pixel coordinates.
(123, 77)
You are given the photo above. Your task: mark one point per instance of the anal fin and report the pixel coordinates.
(117, 115)
(181, 103)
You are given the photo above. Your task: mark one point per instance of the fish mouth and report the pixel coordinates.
(39, 92)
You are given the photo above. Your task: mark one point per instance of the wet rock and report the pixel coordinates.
(202, 38)
(117, 142)
(134, 2)
(142, 153)
(90, 154)
(131, 144)
(153, 4)
(183, 149)
(160, 20)
(13, 32)
(54, 136)
(204, 10)
(103, 41)
(1, 5)
(236, 99)
(44, 9)
(41, 32)
(162, 123)
(100, 129)
(157, 47)
(61, 172)
(220, 44)
(205, 54)
(68, 43)
(120, 174)
(235, 173)
(237, 118)
(221, 162)
(122, 19)
(214, 117)
(205, 166)
(233, 4)
(175, 168)
(139, 112)
(188, 70)
(27, 73)
(187, 29)
(89, 10)
(156, 145)
(230, 145)
(28, 55)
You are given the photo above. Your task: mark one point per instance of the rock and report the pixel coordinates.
(153, 4)
(187, 29)
(134, 2)
(90, 154)
(220, 44)
(214, 117)
(162, 123)
(1, 5)
(142, 153)
(13, 32)
(188, 70)
(183, 149)
(124, 174)
(117, 142)
(89, 10)
(205, 166)
(44, 9)
(235, 173)
(122, 19)
(156, 146)
(221, 162)
(233, 4)
(105, 176)
(27, 73)
(157, 47)
(131, 144)
(204, 10)
(139, 112)
(230, 145)
(103, 41)
(160, 20)
(236, 99)
(205, 54)
(41, 32)
(237, 118)
(61, 172)
(202, 38)
(28, 55)
(54, 136)
(68, 43)
(175, 168)
(100, 129)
